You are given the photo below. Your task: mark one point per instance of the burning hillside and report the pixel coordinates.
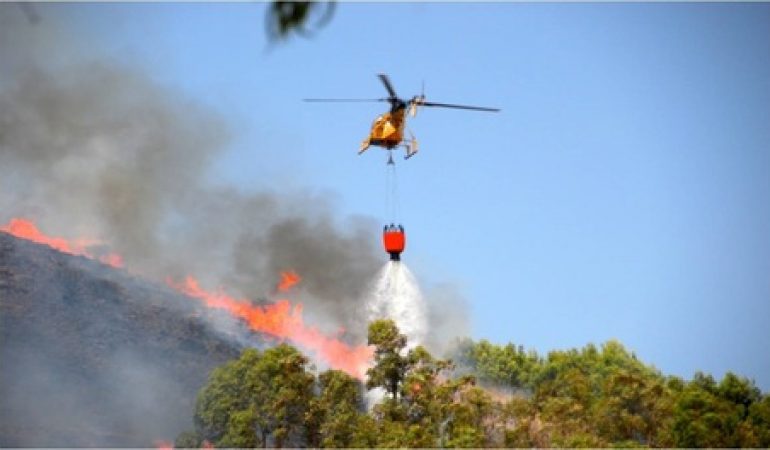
(282, 320)
(279, 319)
(105, 346)
(92, 356)
(26, 229)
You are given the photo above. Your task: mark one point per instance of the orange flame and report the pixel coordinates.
(164, 445)
(288, 280)
(26, 229)
(282, 320)
(279, 319)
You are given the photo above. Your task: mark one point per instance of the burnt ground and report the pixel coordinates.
(91, 356)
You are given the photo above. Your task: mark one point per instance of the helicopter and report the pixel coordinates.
(388, 128)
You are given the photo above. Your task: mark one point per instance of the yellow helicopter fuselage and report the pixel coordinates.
(388, 132)
(388, 129)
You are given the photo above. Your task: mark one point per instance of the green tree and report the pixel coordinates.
(522, 426)
(422, 397)
(589, 397)
(258, 400)
(701, 419)
(333, 417)
(632, 407)
(392, 433)
(423, 408)
(188, 439)
(472, 416)
(224, 393)
(389, 365)
(506, 365)
(738, 390)
(724, 414)
(759, 418)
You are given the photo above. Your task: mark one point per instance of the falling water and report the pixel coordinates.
(395, 295)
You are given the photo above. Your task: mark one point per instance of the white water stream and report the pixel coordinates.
(395, 295)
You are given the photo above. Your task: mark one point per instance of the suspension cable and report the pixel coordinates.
(392, 205)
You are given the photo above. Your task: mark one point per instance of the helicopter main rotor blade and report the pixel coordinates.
(386, 81)
(449, 105)
(344, 99)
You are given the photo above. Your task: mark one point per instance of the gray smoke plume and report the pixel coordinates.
(93, 148)
(448, 318)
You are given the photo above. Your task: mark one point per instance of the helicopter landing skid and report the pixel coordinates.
(364, 147)
(411, 149)
(410, 145)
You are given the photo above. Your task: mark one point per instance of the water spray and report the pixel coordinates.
(396, 295)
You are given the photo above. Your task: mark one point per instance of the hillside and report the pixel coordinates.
(92, 356)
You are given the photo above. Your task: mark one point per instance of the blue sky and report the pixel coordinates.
(623, 192)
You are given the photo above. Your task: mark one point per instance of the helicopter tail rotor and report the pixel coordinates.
(417, 100)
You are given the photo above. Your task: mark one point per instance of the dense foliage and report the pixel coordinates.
(494, 396)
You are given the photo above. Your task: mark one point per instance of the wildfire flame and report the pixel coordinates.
(288, 280)
(283, 321)
(26, 229)
(164, 445)
(280, 319)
